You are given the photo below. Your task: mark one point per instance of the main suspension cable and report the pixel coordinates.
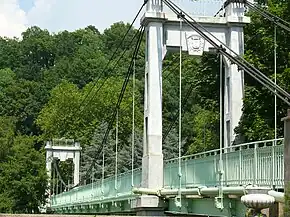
(133, 125)
(107, 77)
(120, 96)
(115, 52)
(271, 17)
(237, 59)
(242, 63)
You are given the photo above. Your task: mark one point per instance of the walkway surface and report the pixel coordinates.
(43, 215)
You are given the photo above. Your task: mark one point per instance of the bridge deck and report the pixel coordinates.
(258, 163)
(43, 215)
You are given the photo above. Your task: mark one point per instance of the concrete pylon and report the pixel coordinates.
(63, 152)
(287, 160)
(76, 161)
(152, 161)
(234, 78)
(163, 33)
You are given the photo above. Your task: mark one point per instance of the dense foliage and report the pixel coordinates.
(46, 81)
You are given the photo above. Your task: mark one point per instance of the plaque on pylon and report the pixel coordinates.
(195, 44)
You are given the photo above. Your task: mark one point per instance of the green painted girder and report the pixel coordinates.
(120, 206)
(206, 207)
(259, 163)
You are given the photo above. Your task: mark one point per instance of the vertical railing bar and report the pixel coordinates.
(215, 167)
(281, 166)
(255, 164)
(273, 162)
(240, 163)
(227, 168)
(185, 172)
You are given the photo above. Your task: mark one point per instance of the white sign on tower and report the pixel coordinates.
(195, 44)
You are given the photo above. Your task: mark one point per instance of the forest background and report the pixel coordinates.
(45, 77)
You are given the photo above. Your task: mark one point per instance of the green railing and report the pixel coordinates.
(257, 163)
(109, 189)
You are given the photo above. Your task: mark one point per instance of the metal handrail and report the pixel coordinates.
(229, 150)
(217, 151)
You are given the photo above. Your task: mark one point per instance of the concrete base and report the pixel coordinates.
(148, 205)
(152, 171)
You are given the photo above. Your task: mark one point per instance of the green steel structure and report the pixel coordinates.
(251, 164)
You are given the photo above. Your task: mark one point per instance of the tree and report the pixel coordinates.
(112, 38)
(23, 178)
(57, 119)
(62, 117)
(55, 85)
(22, 99)
(171, 145)
(93, 154)
(7, 133)
(9, 53)
(206, 128)
(258, 113)
(37, 52)
(79, 58)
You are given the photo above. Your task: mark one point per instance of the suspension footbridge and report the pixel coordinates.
(221, 182)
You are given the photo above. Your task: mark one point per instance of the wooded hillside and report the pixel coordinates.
(45, 79)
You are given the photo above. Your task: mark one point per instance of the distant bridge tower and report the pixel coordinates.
(63, 150)
(162, 35)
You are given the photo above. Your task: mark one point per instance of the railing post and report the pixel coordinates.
(240, 163)
(255, 163)
(287, 162)
(273, 162)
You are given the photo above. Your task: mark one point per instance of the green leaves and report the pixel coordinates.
(45, 78)
(206, 131)
(258, 120)
(67, 114)
(56, 118)
(23, 177)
